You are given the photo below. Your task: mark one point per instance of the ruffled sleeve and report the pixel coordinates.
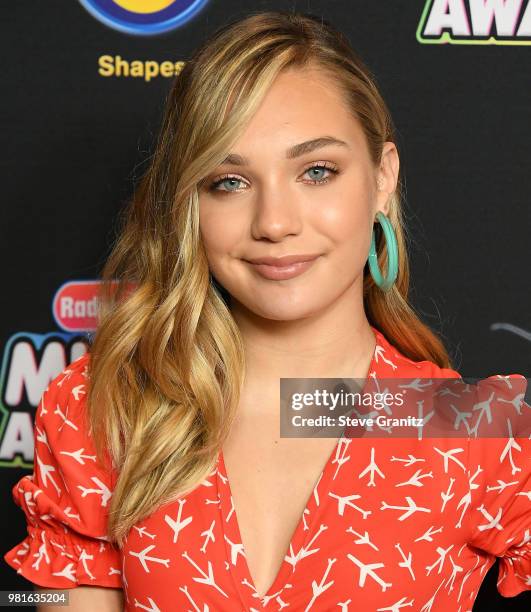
(500, 481)
(66, 499)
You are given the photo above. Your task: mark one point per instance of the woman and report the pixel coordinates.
(252, 252)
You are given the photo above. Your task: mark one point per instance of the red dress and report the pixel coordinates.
(391, 524)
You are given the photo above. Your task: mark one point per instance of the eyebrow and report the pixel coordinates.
(295, 151)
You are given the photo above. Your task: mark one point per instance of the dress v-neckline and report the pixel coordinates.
(300, 536)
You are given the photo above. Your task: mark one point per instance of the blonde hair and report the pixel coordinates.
(167, 365)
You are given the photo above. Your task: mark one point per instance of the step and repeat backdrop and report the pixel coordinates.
(83, 88)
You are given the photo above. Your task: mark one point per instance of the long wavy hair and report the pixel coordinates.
(166, 363)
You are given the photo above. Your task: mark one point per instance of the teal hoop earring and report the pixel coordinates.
(392, 255)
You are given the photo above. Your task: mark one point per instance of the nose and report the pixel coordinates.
(277, 214)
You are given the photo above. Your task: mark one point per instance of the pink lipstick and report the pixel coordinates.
(282, 268)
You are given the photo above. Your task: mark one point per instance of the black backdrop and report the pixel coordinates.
(74, 140)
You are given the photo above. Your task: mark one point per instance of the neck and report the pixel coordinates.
(337, 342)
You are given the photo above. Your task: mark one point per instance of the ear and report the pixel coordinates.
(387, 176)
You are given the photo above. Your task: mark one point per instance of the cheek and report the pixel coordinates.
(346, 221)
(219, 232)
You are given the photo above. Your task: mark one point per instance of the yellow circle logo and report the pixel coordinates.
(141, 6)
(143, 17)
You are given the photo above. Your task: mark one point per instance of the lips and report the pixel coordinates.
(286, 260)
(282, 268)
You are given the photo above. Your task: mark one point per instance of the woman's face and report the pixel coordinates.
(299, 181)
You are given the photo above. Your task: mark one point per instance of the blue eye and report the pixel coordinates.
(230, 183)
(317, 169)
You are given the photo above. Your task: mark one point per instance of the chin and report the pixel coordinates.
(283, 311)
